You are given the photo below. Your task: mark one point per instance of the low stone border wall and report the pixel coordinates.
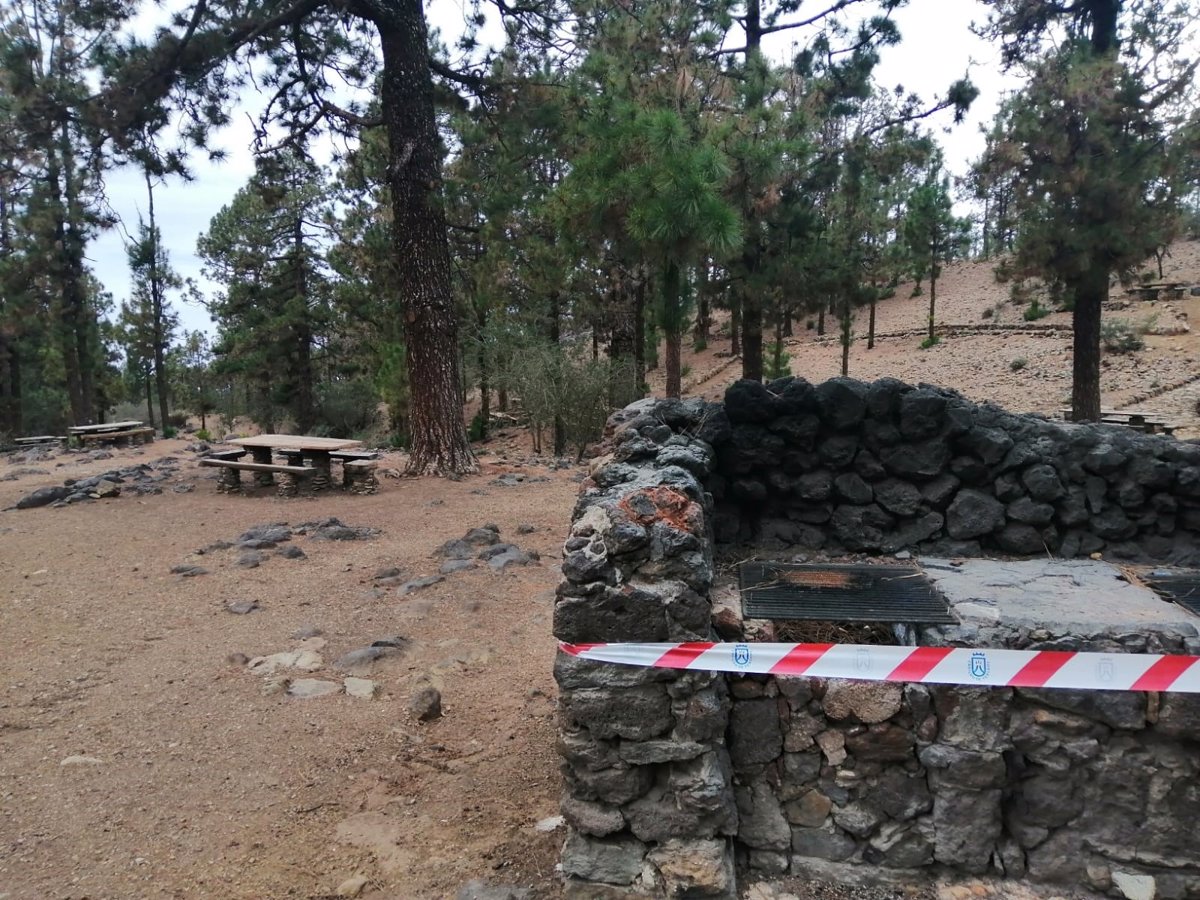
(671, 779)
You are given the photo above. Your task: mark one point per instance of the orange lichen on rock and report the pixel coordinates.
(663, 504)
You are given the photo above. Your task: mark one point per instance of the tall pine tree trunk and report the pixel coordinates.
(703, 309)
(752, 308)
(147, 380)
(871, 319)
(735, 326)
(1090, 293)
(933, 273)
(439, 435)
(481, 360)
(554, 334)
(672, 316)
(157, 324)
(846, 322)
(302, 331)
(639, 335)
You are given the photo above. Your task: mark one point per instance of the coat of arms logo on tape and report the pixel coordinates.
(741, 655)
(978, 666)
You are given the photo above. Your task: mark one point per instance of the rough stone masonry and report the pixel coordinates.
(673, 780)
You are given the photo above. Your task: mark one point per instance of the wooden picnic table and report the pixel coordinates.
(104, 427)
(315, 449)
(1150, 290)
(1146, 421)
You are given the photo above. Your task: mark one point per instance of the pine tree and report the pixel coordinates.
(1100, 147)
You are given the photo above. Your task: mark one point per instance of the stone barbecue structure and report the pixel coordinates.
(674, 781)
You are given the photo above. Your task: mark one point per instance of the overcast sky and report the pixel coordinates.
(937, 48)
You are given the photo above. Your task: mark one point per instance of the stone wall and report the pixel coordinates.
(885, 466)
(671, 778)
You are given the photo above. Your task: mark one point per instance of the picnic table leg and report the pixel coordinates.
(321, 478)
(288, 485)
(229, 481)
(262, 455)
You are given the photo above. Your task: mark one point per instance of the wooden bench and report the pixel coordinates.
(1144, 421)
(131, 436)
(34, 440)
(358, 476)
(354, 455)
(230, 481)
(226, 454)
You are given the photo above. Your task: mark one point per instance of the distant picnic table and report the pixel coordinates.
(130, 431)
(1137, 419)
(1152, 289)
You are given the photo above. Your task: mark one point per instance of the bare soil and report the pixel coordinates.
(197, 781)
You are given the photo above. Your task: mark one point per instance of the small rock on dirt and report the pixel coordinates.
(352, 887)
(308, 688)
(548, 825)
(417, 583)
(188, 571)
(361, 688)
(291, 551)
(306, 660)
(251, 559)
(242, 607)
(82, 761)
(426, 704)
(385, 573)
(481, 890)
(306, 631)
(526, 528)
(237, 659)
(184, 487)
(362, 661)
(450, 566)
(42, 497)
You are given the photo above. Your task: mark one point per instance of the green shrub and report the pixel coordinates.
(478, 429)
(1018, 364)
(1119, 336)
(770, 369)
(169, 431)
(1035, 311)
(931, 342)
(203, 435)
(699, 344)
(346, 407)
(989, 312)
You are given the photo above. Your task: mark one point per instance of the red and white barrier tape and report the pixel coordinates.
(928, 665)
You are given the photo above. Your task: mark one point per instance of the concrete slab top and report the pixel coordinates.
(1079, 596)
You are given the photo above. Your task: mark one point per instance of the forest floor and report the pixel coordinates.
(141, 757)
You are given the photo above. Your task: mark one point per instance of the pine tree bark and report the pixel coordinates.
(1090, 293)
(672, 315)
(735, 326)
(302, 333)
(439, 435)
(932, 290)
(158, 328)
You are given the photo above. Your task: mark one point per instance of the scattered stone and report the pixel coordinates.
(481, 890)
(275, 533)
(256, 545)
(305, 660)
(184, 487)
(352, 887)
(251, 559)
(237, 659)
(308, 688)
(188, 571)
(242, 607)
(82, 761)
(362, 661)
(106, 488)
(306, 631)
(450, 566)
(386, 572)
(512, 556)
(291, 551)
(426, 704)
(333, 529)
(526, 528)
(467, 546)
(360, 688)
(42, 497)
(548, 825)
(417, 583)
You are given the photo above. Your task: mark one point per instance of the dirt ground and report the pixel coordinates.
(140, 757)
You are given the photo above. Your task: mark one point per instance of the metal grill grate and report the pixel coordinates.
(1182, 588)
(841, 594)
